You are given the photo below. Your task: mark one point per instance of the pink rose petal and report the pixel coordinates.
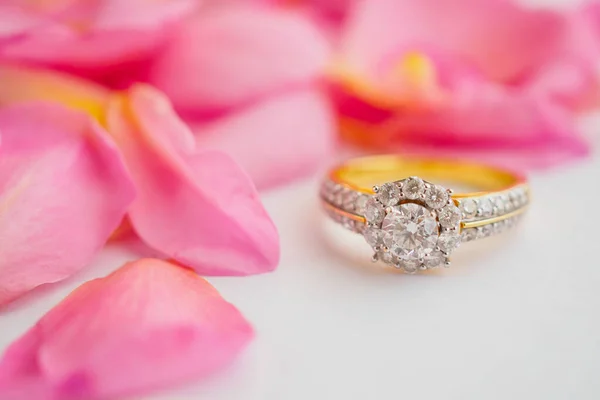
(518, 158)
(570, 74)
(198, 208)
(329, 14)
(483, 118)
(499, 37)
(92, 36)
(554, 53)
(20, 84)
(15, 21)
(295, 129)
(232, 55)
(63, 190)
(148, 325)
(493, 76)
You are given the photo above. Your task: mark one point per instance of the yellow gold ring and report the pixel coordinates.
(410, 220)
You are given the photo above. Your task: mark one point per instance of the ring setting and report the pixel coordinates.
(414, 224)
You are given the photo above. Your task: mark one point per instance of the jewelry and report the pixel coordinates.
(414, 224)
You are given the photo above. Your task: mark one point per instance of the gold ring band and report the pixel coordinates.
(379, 196)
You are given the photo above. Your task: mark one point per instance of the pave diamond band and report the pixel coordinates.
(413, 223)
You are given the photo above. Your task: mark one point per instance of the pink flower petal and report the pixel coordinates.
(499, 37)
(94, 35)
(148, 325)
(297, 128)
(482, 118)
(20, 84)
(138, 14)
(492, 76)
(198, 208)
(14, 21)
(543, 155)
(330, 14)
(570, 75)
(63, 190)
(231, 55)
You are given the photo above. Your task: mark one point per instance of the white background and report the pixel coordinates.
(515, 317)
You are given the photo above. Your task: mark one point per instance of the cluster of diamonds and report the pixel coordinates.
(412, 224)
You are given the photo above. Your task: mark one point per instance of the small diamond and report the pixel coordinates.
(348, 223)
(486, 208)
(437, 197)
(386, 257)
(413, 188)
(410, 267)
(435, 259)
(450, 216)
(500, 204)
(485, 231)
(348, 200)
(508, 206)
(374, 212)
(388, 194)
(523, 197)
(469, 208)
(360, 203)
(498, 227)
(326, 188)
(468, 235)
(338, 196)
(359, 227)
(515, 198)
(448, 241)
(373, 236)
(332, 192)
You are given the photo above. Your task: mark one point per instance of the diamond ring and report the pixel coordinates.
(412, 223)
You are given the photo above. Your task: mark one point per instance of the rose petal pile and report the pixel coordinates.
(67, 185)
(487, 79)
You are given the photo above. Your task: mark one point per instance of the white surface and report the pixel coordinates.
(514, 318)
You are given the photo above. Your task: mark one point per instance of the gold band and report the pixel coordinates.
(362, 174)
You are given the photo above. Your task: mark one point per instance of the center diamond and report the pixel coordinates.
(410, 231)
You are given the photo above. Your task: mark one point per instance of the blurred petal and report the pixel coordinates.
(15, 21)
(198, 208)
(570, 75)
(543, 155)
(329, 14)
(233, 55)
(63, 190)
(21, 84)
(139, 14)
(487, 118)
(499, 37)
(94, 35)
(296, 128)
(148, 325)
(492, 77)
